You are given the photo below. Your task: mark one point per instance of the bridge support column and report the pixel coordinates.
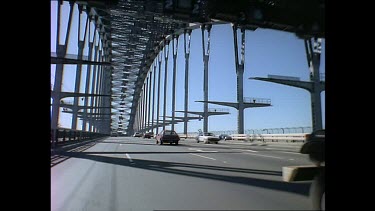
(97, 79)
(206, 56)
(239, 71)
(160, 58)
(101, 101)
(77, 85)
(140, 103)
(313, 51)
(149, 101)
(187, 54)
(139, 114)
(153, 96)
(175, 50)
(143, 106)
(166, 53)
(81, 44)
(61, 52)
(94, 100)
(105, 101)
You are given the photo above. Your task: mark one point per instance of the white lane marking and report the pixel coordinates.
(263, 155)
(200, 150)
(130, 159)
(248, 150)
(224, 161)
(284, 151)
(291, 159)
(202, 156)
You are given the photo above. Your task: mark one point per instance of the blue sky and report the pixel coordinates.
(266, 52)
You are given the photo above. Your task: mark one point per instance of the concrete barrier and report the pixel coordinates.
(187, 136)
(244, 137)
(293, 137)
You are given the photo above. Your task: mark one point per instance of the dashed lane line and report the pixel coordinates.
(200, 150)
(202, 156)
(263, 155)
(248, 150)
(130, 159)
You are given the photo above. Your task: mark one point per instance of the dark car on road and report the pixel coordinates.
(137, 134)
(148, 135)
(225, 137)
(167, 136)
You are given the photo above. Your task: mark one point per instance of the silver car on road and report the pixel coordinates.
(207, 138)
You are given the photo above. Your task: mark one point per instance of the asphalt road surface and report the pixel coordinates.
(128, 174)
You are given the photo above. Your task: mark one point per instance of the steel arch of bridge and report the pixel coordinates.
(134, 32)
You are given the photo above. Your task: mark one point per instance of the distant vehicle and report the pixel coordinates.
(148, 135)
(207, 138)
(225, 137)
(137, 134)
(315, 148)
(167, 136)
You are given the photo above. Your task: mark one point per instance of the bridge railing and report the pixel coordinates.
(287, 137)
(62, 135)
(292, 137)
(189, 135)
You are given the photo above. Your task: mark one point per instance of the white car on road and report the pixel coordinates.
(207, 138)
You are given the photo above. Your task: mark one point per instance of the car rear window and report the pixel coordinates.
(169, 132)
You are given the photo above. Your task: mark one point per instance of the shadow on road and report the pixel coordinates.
(128, 142)
(169, 167)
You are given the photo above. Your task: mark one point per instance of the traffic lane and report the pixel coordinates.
(149, 177)
(140, 145)
(291, 153)
(143, 147)
(146, 146)
(265, 146)
(291, 157)
(197, 148)
(71, 180)
(222, 144)
(161, 186)
(243, 147)
(288, 153)
(209, 165)
(88, 181)
(177, 166)
(265, 160)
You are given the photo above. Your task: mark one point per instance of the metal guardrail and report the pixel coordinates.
(62, 135)
(268, 130)
(293, 137)
(189, 135)
(218, 110)
(290, 137)
(256, 100)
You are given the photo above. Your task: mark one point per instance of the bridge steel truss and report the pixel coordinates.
(91, 98)
(126, 46)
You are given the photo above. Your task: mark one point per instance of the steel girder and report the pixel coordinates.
(135, 31)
